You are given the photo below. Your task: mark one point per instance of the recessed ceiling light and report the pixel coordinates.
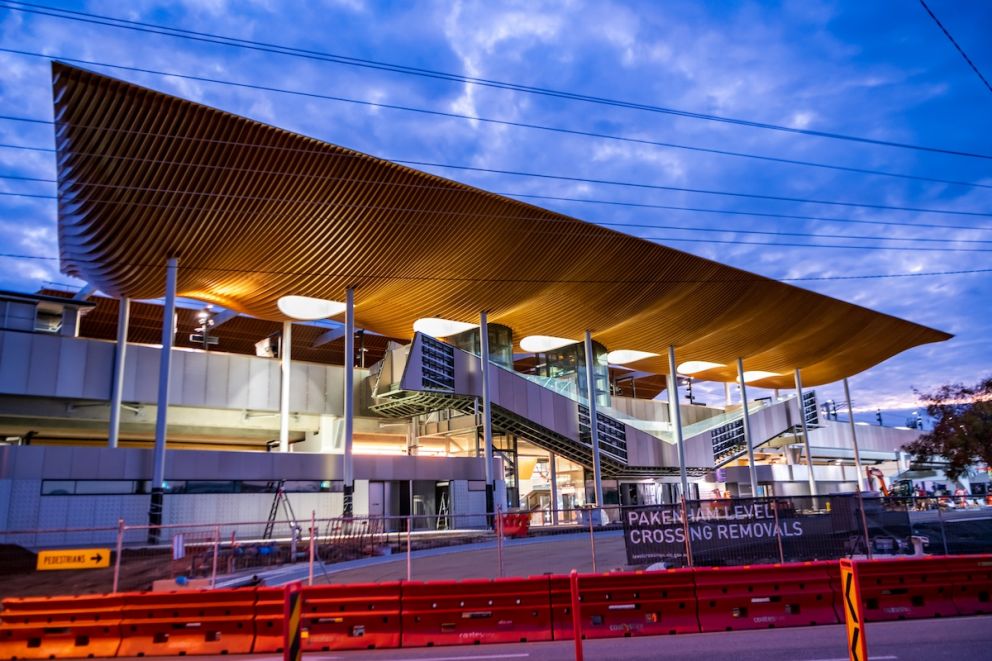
(306, 308)
(624, 356)
(541, 343)
(437, 327)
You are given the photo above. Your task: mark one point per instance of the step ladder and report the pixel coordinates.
(281, 500)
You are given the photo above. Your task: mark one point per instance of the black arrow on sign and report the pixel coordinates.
(853, 614)
(96, 558)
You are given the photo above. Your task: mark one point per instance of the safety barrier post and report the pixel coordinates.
(117, 559)
(943, 530)
(573, 582)
(499, 539)
(213, 570)
(292, 643)
(409, 563)
(313, 545)
(778, 532)
(857, 644)
(592, 538)
(685, 531)
(864, 524)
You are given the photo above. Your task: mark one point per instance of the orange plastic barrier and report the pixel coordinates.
(187, 622)
(504, 610)
(350, 617)
(627, 604)
(515, 524)
(766, 596)
(60, 627)
(906, 588)
(268, 620)
(970, 578)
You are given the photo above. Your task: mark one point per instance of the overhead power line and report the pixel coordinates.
(530, 228)
(205, 37)
(502, 122)
(953, 41)
(539, 175)
(394, 276)
(619, 203)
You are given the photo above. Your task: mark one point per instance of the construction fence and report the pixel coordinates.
(319, 551)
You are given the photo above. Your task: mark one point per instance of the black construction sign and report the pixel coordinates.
(724, 532)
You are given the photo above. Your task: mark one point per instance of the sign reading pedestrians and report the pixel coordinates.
(73, 559)
(857, 646)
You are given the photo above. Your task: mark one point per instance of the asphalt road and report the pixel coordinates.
(953, 639)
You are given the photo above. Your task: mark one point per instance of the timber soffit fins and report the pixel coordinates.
(254, 213)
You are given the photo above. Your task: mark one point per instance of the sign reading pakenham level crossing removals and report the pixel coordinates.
(657, 533)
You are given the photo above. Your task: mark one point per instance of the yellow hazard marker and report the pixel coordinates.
(292, 642)
(857, 644)
(73, 559)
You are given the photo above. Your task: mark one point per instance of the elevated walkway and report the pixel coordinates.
(429, 375)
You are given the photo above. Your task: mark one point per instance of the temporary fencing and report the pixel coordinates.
(416, 614)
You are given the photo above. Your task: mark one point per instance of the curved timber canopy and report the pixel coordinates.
(254, 213)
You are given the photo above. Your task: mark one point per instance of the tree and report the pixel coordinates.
(962, 434)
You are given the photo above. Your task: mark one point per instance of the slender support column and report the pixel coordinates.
(802, 418)
(487, 412)
(349, 400)
(752, 469)
(162, 412)
(286, 368)
(593, 423)
(726, 393)
(675, 417)
(117, 386)
(854, 438)
(554, 488)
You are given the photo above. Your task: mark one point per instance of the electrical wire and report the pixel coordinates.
(501, 122)
(750, 276)
(619, 203)
(960, 50)
(539, 175)
(530, 228)
(205, 37)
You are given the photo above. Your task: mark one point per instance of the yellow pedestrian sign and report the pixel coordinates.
(857, 646)
(73, 559)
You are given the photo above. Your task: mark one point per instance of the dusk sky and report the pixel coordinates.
(880, 70)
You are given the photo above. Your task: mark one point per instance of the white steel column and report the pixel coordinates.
(675, 418)
(554, 488)
(349, 400)
(802, 418)
(854, 438)
(117, 385)
(286, 368)
(487, 411)
(162, 409)
(752, 469)
(726, 392)
(593, 423)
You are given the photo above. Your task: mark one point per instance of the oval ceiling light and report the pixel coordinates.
(437, 327)
(694, 366)
(757, 375)
(542, 343)
(624, 356)
(306, 308)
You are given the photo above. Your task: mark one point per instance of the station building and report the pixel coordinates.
(264, 309)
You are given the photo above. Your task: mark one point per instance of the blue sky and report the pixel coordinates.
(879, 69)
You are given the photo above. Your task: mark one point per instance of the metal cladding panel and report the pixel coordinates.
(217, 389)
(15, 354)
(143, 176)
(194, 390)
(72, 367)
(239, 383)
(43, 364)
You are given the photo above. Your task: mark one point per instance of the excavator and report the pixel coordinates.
(901, 488)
